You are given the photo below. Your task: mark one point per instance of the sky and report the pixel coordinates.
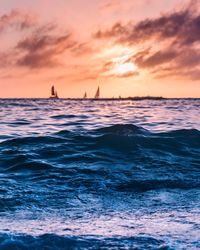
(127, 47)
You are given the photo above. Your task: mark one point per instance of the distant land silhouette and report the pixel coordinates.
(134, 98)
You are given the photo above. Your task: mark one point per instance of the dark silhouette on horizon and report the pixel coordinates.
(97, 95)
(85, 95)
(54, 94)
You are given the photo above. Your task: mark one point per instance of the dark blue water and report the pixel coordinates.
(99, 174)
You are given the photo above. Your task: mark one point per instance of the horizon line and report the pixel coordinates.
(105, 98)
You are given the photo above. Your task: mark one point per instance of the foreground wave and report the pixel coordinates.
(143, 159)
(53, 242)
(99, 175)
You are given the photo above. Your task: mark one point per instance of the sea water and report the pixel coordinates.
(85, 174)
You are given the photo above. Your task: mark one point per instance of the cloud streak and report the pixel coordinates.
(110, 5)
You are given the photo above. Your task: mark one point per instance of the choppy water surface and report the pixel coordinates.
(99, 174)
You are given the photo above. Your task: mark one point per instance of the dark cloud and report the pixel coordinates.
(46, 50)
(165, 27)
(171, 41)
(16, 19)
(170, 63)
(42, 45)
(184, 65)
(41, 50)
(117, 31)
(184, 73)
(182, 26)
(188, 58)
(146, 60)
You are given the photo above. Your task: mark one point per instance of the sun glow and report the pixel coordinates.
(125, 68)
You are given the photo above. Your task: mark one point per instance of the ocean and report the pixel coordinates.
(89, 174)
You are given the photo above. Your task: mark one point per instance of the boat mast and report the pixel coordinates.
(53, 91)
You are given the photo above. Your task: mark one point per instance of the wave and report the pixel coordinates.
(37, 140)
(121, 157)
(29, 166)
(109, 144)
(19, 123)
(60, 117)
(55, 242)
(133, 130)
(122, 138)
(130, 138)
(123, 129)
(146, 185)
(94, 174)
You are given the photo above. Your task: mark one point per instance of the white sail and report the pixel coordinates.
(97, 95)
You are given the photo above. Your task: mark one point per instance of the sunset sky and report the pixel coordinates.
(127, 47)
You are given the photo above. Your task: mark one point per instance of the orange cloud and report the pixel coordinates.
(177, 39)
(42, 45)
(16, 19)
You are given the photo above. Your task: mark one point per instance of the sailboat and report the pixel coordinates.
(85, 95)
(54, 94)
(97, 95)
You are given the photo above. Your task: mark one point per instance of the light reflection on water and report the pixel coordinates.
(44, 116)
(120, 224)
